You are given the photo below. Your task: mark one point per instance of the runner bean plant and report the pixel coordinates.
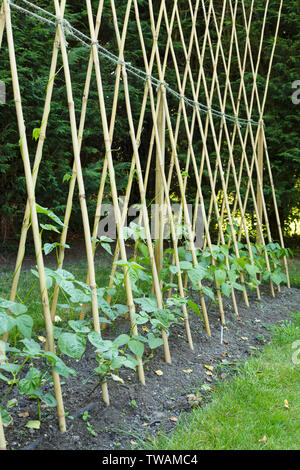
(26, 367)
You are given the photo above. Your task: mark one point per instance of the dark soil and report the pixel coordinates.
(137, 413)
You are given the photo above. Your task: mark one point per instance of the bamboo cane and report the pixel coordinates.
(2, 24)
(179, 176)
(131, 305)
(251, 134)
(187, 54)
(111, 133)
(139, 132)
(166, 193)
(149, 158)
(159, 110)
(241, 89)
(2, 436)
(179, 113)
(238, 101)
(190, 147)
(72, 183)
(143, 199)
(221, 131)
(265, 143)
(159, 194)
(162, 74)
(231, 159)
(258, 159)
(105, 166)
(276, 207)
(34, 218)
(195, 95)
(252, 190)
(36, 166)
(84, 212)
(204, 138)
(232, 164)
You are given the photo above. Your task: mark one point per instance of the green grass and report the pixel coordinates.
(250, 406)
(29, 290)
(294, 271)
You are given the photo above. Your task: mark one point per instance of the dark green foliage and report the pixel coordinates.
(34, 42)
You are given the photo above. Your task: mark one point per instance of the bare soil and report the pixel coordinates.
(137, 413)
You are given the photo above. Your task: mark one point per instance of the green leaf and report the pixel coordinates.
(209, 292)
(226, 289)
(31, 346)
(13, 307)
(33, 424)
(136, 347)
(117, 362)
(49, 399)
(141, 318)
(252, 269)
(12, 403)
(25, 325)
(195, 307)
(181, 253)
(59, 366)
(131, 362)
(67, 177)
(121, 340)
(9, 367)
(185, 265)
(97, 341)
(220, 276)
(278, 278)
(173, 269)
(197, 274)
(26, 386)
(154, 342)
(106, 247)
(238, 286)
(5, 379)
(36, 133)
(72, 345)
(50, 228)
(49, 280)
(7, 322)
(232, 275)
(240, 262)
(121, 309)
(148, 304)
(49, 213)
(6, 418)
(79, 326)
(144, 249)
(48, 247)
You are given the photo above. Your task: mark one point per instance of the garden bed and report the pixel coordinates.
(137, 413)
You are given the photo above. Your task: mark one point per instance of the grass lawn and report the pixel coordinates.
(294, 271)
(258, 409)
(29, 289)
